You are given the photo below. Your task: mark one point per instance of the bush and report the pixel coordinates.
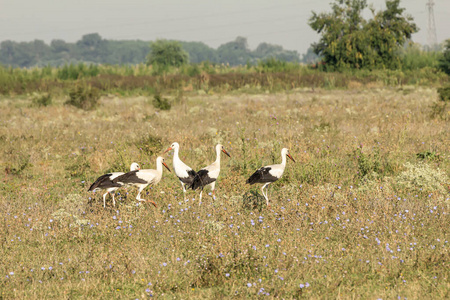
(444, 93)
(84, 96)
(42, 99)
(444, 60)
(161, 103)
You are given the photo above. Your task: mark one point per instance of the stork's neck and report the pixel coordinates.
(175, 153)
(283, 159)
(218, 155)
(159, 167)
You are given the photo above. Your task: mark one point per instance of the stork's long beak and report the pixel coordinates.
(168, 149)
(165, 165)
(290, 157)
(225, 151)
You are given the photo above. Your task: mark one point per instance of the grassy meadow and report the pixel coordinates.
(363, 213)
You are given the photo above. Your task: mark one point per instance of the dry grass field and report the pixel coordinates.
(363, 213)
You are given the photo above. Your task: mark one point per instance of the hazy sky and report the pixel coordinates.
(213, 22)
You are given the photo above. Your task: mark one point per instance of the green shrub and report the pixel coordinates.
(439, 108)
(84, 96)
(161, 103)
(444, 60)
(444, 93)
(44, 99)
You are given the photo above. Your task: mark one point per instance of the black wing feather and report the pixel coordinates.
(201, 179)
(104, 182)
(261, 175)
(190, 179)
(129, 178)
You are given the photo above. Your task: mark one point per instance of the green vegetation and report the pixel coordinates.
(93, 49)
(161, 103)
(348, 41)
(363, 213)
(444, 60)
(269, 75)
(84, 96)
(165, 54)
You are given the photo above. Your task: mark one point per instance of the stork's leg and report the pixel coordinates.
(138, 197)
(213, 185)
(184, 190)
(104, 199)
(114, 201)
(265, 194)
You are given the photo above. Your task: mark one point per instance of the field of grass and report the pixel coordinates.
(363, 213)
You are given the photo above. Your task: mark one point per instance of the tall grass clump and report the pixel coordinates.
(161, 103)
(84, 96)
(79, 71)
(414, 57)
(44, 99)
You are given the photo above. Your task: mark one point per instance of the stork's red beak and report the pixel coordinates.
(165, 165)
(225, 151)
(290, 157)
(168, 149)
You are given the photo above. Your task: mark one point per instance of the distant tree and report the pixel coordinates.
(349, 41)
(7, 51)
(235, 52)
(93, 48)
(58, 46)
(164, 54)
(199, 52)
(310, 57)
(444, 60)
(265, 51)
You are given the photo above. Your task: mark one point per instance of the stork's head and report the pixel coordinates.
(219, 147)
(285, 151)
(173, 146)
(161, 160)
(134, 167)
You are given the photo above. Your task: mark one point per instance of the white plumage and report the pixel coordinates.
(143, 178)
(270, 173)
(105, 182)
(184, 173)
(208, 175)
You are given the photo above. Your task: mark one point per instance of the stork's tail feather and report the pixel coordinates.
(254, 178)
(196, 183)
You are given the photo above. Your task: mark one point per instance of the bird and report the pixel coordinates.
(184, 173)
(143, 177)
(269, 174)
(209, 174)
(105, 182)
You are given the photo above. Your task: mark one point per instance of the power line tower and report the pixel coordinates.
(432, 39)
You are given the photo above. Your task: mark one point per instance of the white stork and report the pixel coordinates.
(269, 174)
(184, 173)
(105, 182)
(143, 178)
(209, 174)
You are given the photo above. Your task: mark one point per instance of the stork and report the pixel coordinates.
(143, 178)
(105, 182)
(209, 174)
(269, 174)
(184, 173)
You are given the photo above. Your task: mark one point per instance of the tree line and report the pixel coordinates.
(92, 48)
